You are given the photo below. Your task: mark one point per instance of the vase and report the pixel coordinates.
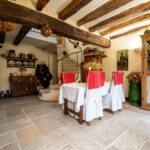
(135, 93)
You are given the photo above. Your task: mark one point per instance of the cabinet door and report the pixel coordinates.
(146, 72)
(31, 85)
(18, 87)
(148, 55)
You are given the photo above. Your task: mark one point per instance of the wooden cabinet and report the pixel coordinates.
(23, 85)
(146, 71)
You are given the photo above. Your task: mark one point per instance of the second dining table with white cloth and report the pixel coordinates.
(75, 92)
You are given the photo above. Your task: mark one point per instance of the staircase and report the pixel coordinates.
(69, 65)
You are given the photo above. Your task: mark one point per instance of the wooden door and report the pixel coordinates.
(18, 87)
(31, 85)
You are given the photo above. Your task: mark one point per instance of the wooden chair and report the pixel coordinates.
(69, 77)
(93, 100)
(113, 101)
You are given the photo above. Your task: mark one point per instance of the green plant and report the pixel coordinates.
(146, 31)
(134, 77)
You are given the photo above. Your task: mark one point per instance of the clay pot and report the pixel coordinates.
(12, 54)
(22, 55)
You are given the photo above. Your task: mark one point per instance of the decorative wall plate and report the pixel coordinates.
(18, 63)
(11, 62)
(25, 63)
(31, 63)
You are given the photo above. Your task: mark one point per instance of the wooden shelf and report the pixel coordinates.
(91, 54)
(22, 61)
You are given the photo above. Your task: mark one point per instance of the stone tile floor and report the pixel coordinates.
(29, 124)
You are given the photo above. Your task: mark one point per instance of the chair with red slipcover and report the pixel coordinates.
(68, 77)
(69, 107)
(113, 101)
(93, 99)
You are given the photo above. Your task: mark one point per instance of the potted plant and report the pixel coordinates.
(134, 88)
(146, 31)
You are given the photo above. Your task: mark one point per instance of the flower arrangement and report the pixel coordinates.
(22, 70)
(46, 30)
(134, 77)
(93, 65)
(6, 26)
(96, 51)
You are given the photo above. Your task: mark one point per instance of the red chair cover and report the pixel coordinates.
(68, 77)
(96, 79)
(118, 77)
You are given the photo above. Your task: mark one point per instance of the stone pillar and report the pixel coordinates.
(60, 49)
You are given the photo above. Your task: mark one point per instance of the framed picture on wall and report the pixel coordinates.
(122, 60)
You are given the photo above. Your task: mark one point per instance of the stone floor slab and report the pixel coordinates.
(27, 134)
(146, 146)
(12, 146)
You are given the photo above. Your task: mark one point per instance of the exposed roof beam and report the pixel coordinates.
(22, 33)
(130, 31)
(73, 7)
(106, 8)
(41, 4)
(127, 14)
(25, 29)
(22, 15)
(126, 24)
(2, 37)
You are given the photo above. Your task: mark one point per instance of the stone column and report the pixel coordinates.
(60, 49)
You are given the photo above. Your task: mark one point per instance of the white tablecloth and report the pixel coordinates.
(75, 92)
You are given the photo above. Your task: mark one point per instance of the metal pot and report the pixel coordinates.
(30, 56)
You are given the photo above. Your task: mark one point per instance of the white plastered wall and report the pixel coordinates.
(40, 54)
(133, 43)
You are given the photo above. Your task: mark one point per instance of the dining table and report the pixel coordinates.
(75, 92)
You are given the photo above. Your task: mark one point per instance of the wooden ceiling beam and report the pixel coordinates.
(2, 37)
(129, 32)
(73, 7)
(126, 24)
(22, 33)
(127, 14)
(22, 15)
(41, 4)
(106, 8)
(25, 29)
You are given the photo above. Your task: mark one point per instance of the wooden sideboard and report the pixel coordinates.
(23, 85)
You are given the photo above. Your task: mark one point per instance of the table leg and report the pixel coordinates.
(81, 115)
(65, 106)
(89, 123)
(100, 118)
